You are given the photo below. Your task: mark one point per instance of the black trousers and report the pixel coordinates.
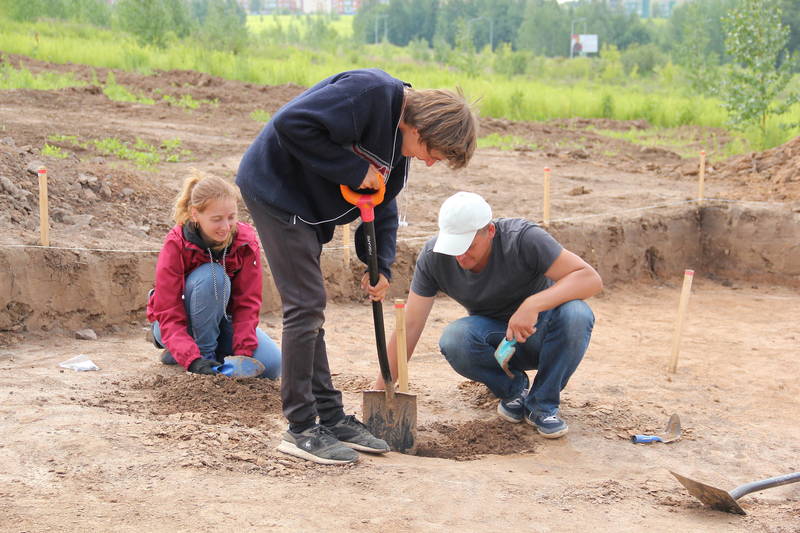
(293, 253)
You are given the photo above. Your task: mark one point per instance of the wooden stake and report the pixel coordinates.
(346, 245)
(688, 275)
(701, 180)
(546, 199)
(44, 217)
(402, 350)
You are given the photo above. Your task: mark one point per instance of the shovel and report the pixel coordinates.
(722, 500)
(389, 415)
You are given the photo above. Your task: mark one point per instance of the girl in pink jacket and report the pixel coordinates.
(205, 306)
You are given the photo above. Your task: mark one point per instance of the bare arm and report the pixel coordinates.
(574, 278)
(417, 310)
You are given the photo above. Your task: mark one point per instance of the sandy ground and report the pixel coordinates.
(140, 446)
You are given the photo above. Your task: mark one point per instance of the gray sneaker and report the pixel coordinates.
(355, 434)
(317, 444)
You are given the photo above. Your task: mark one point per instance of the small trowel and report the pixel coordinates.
(504, 352)
(670, 434)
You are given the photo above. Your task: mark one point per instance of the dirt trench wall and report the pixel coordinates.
(759, 244)
(46, 289)
(50, 289)
(654, 246)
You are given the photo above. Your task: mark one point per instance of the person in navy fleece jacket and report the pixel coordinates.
(357, 128)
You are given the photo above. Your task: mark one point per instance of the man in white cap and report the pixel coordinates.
(516, 282)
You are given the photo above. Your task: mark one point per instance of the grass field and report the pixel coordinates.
(552, 88)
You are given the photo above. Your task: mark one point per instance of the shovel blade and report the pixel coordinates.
(392, 419)
(715, 498)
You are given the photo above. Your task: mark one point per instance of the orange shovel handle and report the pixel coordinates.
(365, 202)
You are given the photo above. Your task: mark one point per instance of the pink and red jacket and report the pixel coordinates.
(177, 259)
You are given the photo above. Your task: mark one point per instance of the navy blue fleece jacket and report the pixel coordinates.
(327, 136)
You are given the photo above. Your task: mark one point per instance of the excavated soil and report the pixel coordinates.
(141, 446)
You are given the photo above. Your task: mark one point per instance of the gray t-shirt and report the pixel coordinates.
(521, 254)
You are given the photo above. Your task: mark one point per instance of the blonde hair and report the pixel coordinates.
(197, 191)
(445, 122)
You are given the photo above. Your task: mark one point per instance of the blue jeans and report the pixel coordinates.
(206, 294)
(555, 350)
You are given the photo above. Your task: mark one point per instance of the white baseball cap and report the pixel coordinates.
(460, 218)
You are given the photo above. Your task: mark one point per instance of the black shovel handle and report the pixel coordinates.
(377, 306)
(366, 204)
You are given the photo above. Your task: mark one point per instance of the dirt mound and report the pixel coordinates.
(216, 422)
(252, 402)
(476, 438)
(90, 202)
(578, 140)
(769, 175)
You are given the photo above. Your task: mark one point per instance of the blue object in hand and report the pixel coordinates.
(505, 350)
(503, 354)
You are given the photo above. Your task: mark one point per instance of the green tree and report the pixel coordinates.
(224, 26)
(256, 6)
(506, 18)
(464, 55)
(612, 69)
(370, 22)
(509, 62)
(756, 41)
(643, 59)
(545, 29)
(96, 12)
(693, 50)
(451, 19)
(24, 10)
(791, 18)
(153, 21)
(703, 22)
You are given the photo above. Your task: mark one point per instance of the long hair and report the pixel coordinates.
(197, 191)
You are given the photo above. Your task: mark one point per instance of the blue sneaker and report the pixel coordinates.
(513, 409)
(548, 426)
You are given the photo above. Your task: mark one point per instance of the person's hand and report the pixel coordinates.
(522, 324)
(203, 366)
(378, 292)
(372, 179)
